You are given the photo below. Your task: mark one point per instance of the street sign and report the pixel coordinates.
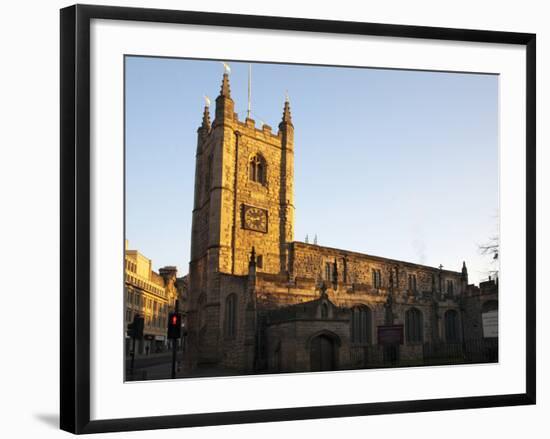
(490, 324)
(390, 334)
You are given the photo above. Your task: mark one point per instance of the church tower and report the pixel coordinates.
(243, 199)
(244, 191)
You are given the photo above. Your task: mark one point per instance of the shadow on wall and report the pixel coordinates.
(49, 419)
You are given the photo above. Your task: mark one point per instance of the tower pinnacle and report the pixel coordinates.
(225, 106)
(287, 117)
(464, 272)
(206, 118)
(225, 90)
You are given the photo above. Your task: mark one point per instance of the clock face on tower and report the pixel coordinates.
(255, 219)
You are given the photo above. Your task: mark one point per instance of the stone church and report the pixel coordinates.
(259, 301)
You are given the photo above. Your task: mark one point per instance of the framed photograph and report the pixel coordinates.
(272, 218)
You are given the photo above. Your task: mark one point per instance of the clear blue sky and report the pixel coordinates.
(401, 164)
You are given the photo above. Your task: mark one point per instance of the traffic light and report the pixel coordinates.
(174, 325)
(135, 329)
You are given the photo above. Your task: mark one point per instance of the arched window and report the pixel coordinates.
(361, 322)
(258, 169)
(231, 315)
(451, 326)
(413, 326)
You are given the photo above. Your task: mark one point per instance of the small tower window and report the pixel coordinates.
(258, 169)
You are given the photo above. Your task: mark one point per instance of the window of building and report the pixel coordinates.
(258, 169)
(361, 322)
(231, 315)
(328, 271)
(376, 278)
(451, 326)
(259, 261)
(413, 326)
(450, 287)
(412, 282)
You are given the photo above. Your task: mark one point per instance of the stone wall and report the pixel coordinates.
(355, 270)
(237, 351)
(474, 304)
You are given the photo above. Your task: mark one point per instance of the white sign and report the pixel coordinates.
(490, 324)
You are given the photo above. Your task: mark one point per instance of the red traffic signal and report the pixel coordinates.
(174, 325)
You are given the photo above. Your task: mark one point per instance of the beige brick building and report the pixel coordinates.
(151, 295)
(260, 301)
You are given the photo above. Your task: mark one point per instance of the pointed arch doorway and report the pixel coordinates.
(323, 353)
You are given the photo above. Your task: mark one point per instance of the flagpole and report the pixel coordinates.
(249, 88)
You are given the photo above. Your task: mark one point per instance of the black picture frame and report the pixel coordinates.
(75, 217)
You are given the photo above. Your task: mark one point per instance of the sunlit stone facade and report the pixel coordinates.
(151, 295)
(260, 301)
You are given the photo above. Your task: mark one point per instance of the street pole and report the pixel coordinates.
(133, 355)
(174, 345)
(174, 340)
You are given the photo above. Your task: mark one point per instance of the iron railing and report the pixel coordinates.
(467, 352)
